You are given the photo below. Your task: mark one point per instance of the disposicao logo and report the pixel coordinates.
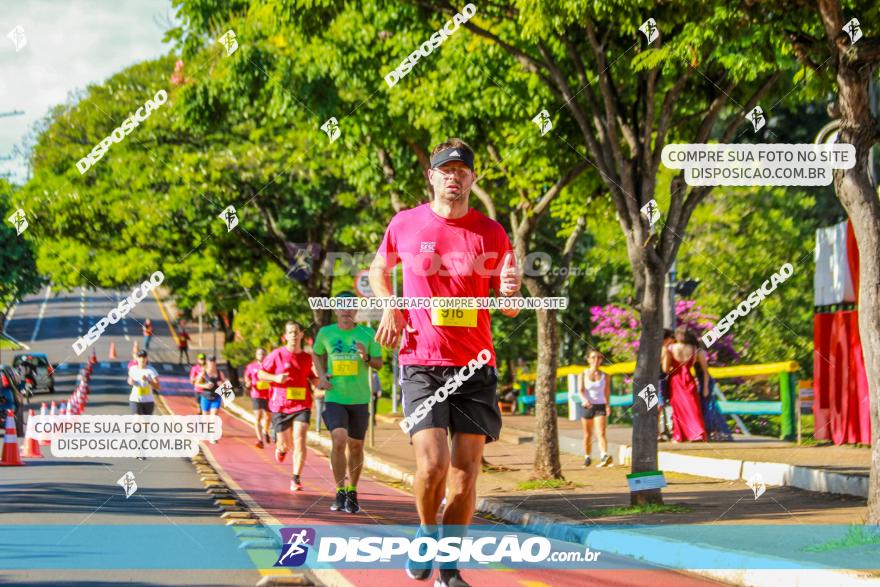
(296, 546)
(128, 125)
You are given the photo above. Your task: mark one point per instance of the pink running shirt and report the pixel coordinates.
(445, 257)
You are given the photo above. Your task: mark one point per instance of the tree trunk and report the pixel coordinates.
(644, 434)
(859, 199)
(547, 464)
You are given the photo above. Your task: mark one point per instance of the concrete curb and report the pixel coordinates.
(779, 474)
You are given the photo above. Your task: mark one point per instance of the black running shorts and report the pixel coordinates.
(471, 408)
(281, 422)
(353, 417)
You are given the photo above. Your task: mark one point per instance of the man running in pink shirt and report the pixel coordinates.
(447, 250)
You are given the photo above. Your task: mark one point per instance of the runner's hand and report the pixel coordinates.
(324, 383)
(510, 277)
(392, 324)
(362, 350)
(607, 409)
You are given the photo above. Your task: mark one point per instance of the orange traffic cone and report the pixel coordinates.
(112, 350)
(11, 456)
(31, 446)
(43, 413)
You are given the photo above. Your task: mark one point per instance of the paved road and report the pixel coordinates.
(61, 506)
(72, 509)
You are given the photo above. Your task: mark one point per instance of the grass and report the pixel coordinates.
(545, 484)
(651, 508)
(855, 536)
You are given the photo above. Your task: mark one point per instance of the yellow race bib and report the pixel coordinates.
(143, 390)
(296, 393)
(344, 368)
(450, 317)
(263, 385)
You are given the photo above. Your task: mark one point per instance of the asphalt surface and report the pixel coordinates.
(71, 495)
(73, 509)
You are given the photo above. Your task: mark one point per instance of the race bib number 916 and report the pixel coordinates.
(450, 317)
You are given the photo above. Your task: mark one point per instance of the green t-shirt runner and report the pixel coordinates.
(350, 375)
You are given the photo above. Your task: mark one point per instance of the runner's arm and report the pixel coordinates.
(393, 322)
(272, 377)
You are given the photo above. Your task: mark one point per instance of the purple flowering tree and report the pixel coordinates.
(618, 329)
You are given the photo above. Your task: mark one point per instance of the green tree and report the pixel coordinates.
(18, 270)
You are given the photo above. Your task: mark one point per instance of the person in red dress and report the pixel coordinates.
(687, 416)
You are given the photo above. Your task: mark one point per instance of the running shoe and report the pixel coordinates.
(351, 502)
(421, 571)
(587, 461)
(280, 456)
(267, 439)
(450, 578)
(296, 483)
(606, 460)
(259, 444)
(339, 503)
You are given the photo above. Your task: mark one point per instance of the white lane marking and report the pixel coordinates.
(11, 314)
(127, 337)
(42, 312)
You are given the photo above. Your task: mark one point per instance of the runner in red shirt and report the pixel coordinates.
(447, 250)
(290, 372)
(259, 398)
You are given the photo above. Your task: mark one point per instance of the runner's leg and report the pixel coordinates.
(299, 446)
(339, 436)
(284, 439)
(467, 454)
(432, 464)
(258, 423)
(355, 460)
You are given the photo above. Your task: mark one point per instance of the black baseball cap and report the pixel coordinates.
(142, 354)
(463, 154)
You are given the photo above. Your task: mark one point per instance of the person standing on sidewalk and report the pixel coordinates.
(194, 372)
(259, 398)
(290, 372)
(594, 389)
(350, 349)
(687, 418)
(435, 344)
(148, 333)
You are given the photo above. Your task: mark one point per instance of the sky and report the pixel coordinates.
(70, 44)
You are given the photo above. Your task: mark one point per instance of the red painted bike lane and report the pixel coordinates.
(267, 482)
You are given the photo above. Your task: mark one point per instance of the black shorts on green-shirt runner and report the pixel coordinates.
(353, 417)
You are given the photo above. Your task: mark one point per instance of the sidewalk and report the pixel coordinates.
(828, 469)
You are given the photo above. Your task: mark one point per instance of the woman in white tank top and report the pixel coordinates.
(594, 389)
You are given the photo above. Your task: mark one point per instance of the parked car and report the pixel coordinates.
(45, 374)
(12, 397)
